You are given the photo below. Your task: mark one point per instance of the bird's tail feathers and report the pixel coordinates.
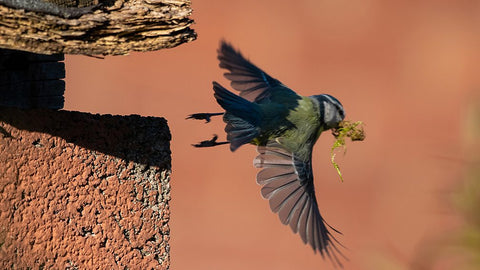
(239, 131)
(242, 117)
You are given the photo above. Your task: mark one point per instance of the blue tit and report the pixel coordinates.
(284, 126)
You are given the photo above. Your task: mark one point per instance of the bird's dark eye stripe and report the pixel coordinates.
(340, 109)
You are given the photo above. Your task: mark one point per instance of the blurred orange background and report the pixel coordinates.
(407, 69)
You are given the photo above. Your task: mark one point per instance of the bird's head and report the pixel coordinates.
(331, 110)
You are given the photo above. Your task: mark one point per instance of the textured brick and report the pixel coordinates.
(83, 191)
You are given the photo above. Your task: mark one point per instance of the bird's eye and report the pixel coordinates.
(340, 111)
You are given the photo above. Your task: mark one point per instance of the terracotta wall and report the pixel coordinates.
(83, 191)
(408, 69)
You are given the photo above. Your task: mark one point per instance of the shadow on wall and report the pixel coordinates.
(117, 136)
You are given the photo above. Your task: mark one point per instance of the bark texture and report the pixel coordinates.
(106, 28)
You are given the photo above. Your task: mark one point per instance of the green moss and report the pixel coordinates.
(345, 129)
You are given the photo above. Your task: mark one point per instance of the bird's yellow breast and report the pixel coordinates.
(307, 128)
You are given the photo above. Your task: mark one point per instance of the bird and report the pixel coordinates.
(284, 126)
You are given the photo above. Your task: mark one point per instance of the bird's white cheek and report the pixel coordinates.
(327, 113)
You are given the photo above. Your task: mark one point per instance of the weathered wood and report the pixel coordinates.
(29, 80)
(112, 28)
(63, 8)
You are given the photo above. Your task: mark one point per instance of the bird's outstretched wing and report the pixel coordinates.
(253, 83)
(287, 182)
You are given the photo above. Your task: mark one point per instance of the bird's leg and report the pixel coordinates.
(203, 116)
(210, 143)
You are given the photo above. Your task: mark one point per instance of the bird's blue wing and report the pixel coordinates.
(287, 182)
(253, 83)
